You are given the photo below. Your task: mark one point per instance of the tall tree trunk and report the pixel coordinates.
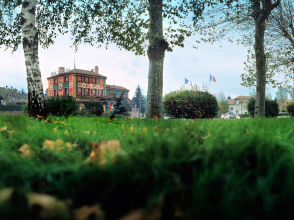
(156, 51)
(30, 47)
(259, 110)
(261, 11)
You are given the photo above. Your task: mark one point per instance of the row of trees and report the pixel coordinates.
(7, 94)
(137, 26)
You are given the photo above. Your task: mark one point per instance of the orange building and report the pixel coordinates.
(84, 86)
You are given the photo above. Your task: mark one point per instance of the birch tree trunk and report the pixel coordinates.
(156, 51)
(36, 100)
(261, 11)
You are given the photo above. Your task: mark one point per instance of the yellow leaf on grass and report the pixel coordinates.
(123, 128)
(89, 212)
(103, 150)
(208, 135)
(48, 207)
(57, 145)
(145, 130)
(132, 127)
(158, 127)
(26, 150)
(154, 117)
(3, 129)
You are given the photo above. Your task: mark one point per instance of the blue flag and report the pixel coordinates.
(186, 81)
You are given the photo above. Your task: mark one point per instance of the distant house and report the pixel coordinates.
(85, 86)
(238, 105)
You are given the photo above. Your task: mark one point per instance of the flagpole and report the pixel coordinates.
(209, 82)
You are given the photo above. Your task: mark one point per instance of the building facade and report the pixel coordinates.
(85, 86)
(238, 105)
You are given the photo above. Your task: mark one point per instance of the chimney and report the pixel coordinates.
(96, 69)
(61, 70)
(92, 70)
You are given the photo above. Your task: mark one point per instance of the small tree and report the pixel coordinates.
(290, 108)
(94, 108)
(120, 107)
(222, 102)
(282, 96)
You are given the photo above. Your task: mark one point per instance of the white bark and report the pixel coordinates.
(30, 47)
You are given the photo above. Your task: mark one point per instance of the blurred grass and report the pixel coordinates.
(222, 169)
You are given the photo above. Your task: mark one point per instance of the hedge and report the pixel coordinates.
(10, 108)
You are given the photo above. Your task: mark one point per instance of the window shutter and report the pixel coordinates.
(82, 91)
(82, 79)
(101, 82)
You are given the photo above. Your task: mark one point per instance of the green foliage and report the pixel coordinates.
(61, 106)
(120, 107)
(94, 108)
(190, 104)
(25, 108)
(139, 97)
(290, 108)
(210, 166)
(271, 108)
(223, 104)
(10, 107)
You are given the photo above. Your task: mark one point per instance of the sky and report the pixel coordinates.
(124, 68)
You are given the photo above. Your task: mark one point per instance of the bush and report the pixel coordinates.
(290, 108)
(25, 108)
(271, 108)
(244, 115)
(190, 104)
(10, 107)
(95, 108)
(61, 106)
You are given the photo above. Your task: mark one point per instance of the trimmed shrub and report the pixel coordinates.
(271, 108)
(61, 106)
(290, 108)
(94, 108)
(190, 104)
(10, 108)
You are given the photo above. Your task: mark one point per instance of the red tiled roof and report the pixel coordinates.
(232, 102)
(116, 87)
(242, 97)
(78, 71)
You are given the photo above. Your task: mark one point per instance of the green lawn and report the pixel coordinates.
(202, 169)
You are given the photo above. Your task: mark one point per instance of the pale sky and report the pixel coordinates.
(123, 68)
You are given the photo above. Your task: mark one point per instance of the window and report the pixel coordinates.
(95, 80)
(86, 79)
(232, 108)
(111, 106)
(87, 92)
(111, 93)
(94, 92)
(55, 92)
(80, 92)
(65, 79)
(79, 79)
(55, 81)
(65, 92)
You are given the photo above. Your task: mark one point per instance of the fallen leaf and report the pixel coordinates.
(132, 127)
(47, 207)
(3, 129)
(26, 150)
(40, 117)
(89, 212)
(156, 128)
(57, 145)
(145, 130)
(109, 120)
(112, 116)
(208, 135)
(105, 149)
(154, 117)
(123, 128)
